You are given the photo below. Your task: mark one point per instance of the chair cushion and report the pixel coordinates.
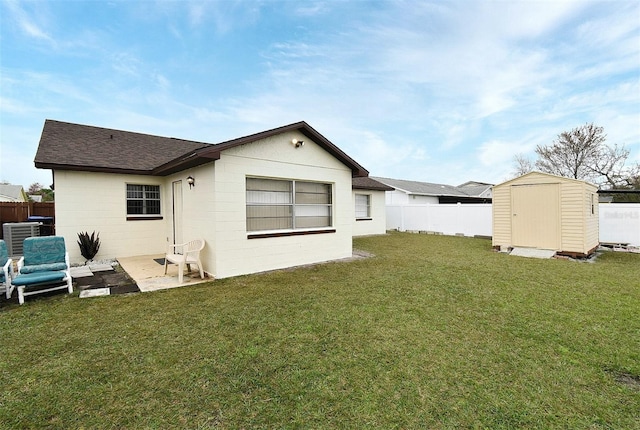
(43, 267)
(4, 253)
(43, 250)
(38, 278)
(1, 276)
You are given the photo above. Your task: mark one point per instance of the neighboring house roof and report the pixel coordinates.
(368, 183)
(36, 198)
(422, 188)
(68, 146)
(12, 193)
(476, 189)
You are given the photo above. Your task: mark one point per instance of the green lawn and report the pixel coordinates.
(431, 332)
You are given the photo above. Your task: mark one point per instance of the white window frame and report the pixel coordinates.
(145, 198)
(289, 206)
(363, 211)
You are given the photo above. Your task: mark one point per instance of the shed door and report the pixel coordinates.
(535, 221)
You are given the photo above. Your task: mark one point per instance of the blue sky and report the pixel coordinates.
(435, 91)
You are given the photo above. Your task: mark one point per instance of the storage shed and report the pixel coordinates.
(539, 210)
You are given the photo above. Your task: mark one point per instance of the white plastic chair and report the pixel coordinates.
(185, 254)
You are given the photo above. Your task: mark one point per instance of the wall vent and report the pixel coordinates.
(16, 232)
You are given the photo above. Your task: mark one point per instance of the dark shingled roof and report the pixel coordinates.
(81, 147)
(368, 183)
(67, 146)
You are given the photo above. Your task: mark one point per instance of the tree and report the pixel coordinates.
(522, 165)
(582, 154)
(572, 153)
(35, 188)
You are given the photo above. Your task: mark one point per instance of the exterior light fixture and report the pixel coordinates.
(297, 143)
(191, 181)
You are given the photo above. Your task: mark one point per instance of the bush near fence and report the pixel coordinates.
(21, 211)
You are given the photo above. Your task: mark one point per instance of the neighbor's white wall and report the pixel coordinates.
(378, 222)
(276, 157)
(90, 202)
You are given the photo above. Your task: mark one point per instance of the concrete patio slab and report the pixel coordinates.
(149, 274)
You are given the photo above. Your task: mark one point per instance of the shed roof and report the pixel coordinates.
(549, 175)
(68, 146)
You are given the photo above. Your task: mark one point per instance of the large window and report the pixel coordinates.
(363, 206)
(275, 204)
(143, 200)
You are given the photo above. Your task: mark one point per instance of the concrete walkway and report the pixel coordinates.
(149, 274)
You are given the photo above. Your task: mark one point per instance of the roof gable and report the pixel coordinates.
(213, 152)
(13, 192)
(67, 146)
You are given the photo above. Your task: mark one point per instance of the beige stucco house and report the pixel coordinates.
(539, 210)
(271, 200)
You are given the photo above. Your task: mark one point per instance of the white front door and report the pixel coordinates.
(177, 212)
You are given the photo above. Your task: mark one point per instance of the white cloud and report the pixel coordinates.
(27, 22)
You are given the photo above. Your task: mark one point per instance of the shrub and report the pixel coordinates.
(89, 245)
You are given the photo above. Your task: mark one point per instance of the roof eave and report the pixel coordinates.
(187, 161)
(97, 169)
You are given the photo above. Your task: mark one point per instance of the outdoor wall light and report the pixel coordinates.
(191, 181)
(297, 143)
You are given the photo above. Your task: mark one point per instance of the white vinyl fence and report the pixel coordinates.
(449, 219)
(619, 222)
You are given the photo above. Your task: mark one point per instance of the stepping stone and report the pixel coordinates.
(96, 292)
(80, 272)
(533, 252)
(100, 267)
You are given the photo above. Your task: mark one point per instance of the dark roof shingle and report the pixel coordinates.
(67, 145)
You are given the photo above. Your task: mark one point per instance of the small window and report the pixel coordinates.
(363, 206)
(276, 204)
(143, 201)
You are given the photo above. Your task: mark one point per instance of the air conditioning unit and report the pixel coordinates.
(16, 232)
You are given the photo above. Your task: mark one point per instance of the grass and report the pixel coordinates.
(431, 332)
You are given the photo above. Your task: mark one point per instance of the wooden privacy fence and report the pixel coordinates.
(21, 211)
